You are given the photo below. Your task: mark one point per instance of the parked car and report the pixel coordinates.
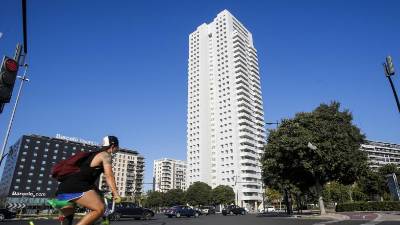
(6, 214)
(233, 209)
(207, 210)
(131, 210)
(267, 209)
(181, 210)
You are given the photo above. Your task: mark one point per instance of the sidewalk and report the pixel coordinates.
(376, 215)
(388, 216)
(328, 216)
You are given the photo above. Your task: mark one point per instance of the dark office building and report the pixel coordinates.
(26, 176)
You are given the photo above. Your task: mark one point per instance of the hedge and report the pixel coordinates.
(368, 206)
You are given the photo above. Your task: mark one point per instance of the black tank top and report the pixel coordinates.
(82, 181)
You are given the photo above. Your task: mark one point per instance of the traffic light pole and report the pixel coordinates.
(23, 80)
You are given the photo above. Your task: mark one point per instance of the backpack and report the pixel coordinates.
(69, 166)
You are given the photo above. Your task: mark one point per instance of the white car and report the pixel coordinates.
(267, 209)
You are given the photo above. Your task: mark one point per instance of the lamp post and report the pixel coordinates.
(389, 72)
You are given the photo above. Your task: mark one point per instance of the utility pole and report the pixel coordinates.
(389, 72)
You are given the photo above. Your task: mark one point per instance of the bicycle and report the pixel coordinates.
(104, 220)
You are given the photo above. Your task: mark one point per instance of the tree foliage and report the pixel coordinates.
(199, 193)
(223, 194)
(174, 197)
(335, 192)
(289, 160)
(389, 169)
(273, 195)
(154, 199)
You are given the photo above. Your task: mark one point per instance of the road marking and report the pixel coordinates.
(328, 222)
(374, 221)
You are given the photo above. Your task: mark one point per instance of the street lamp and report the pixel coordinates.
(389, 72)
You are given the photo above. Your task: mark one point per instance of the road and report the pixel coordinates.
(224, 220)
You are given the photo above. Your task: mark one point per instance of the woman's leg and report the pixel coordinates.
(91, 200)
(68, 213)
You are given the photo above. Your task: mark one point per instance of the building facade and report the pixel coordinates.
(169, 174)
(128, 167)
(225, 124)
(26, 175)
(381, 153)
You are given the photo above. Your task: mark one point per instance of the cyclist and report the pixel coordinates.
(80, 188)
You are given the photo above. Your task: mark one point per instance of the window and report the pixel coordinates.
(30, 174)
(16, 187)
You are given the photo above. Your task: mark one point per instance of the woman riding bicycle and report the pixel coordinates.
(80, 187)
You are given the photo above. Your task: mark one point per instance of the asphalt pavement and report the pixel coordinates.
(222, 220)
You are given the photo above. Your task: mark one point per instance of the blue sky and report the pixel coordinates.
(120, 67)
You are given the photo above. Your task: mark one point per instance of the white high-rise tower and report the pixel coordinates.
(225, 125)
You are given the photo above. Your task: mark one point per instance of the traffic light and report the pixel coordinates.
(8, 75)
(389, 66)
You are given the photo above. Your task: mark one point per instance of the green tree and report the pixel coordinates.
(389, 169)
(273, 195)
(174, 197)
(335, 192)
(372, 184)
(223, 194)
(357, 193)
(199, 193)
(315, 148)
(154, 199)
